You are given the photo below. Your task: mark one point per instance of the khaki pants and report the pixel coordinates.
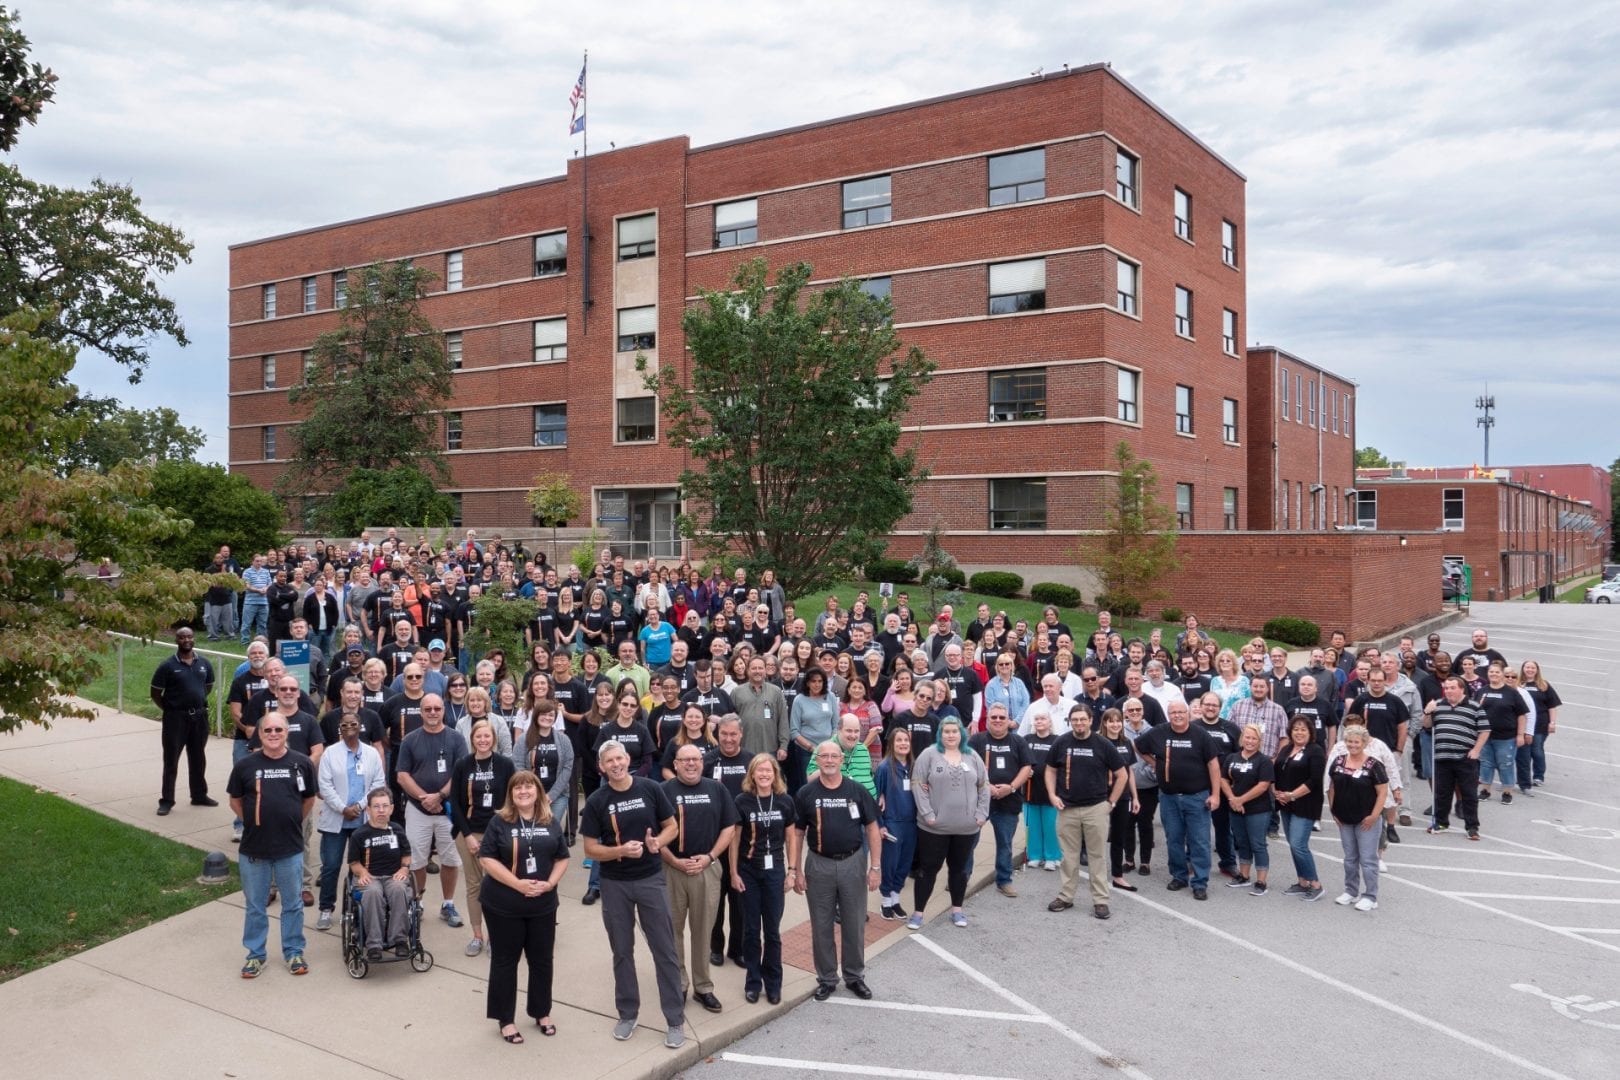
(473, 875)
(312, 851)
(693, 900)
(1088, 823)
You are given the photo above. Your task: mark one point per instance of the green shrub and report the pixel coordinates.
(897, 571)
(1292, 630)
(1172, 614)
(1051, 592)
(1000, 583)
(951, 575)
(1123, 607)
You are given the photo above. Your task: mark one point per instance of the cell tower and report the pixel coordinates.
(1485, 404)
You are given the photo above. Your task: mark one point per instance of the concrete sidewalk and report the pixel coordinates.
(168, 1001)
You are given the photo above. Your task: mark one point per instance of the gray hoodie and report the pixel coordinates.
(958, 799)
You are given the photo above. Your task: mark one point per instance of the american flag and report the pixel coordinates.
(576, 98)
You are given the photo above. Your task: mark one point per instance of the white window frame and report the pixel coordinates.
(454, 271)
(309, 295)
(267, 442)
(1128, 409)
(1183, 210)
(453, 349)
(340, 289)
(1367, 497)
(1184, 312)
(267, 297)
(1127, 302)
(452, 431)
(1287, 418)
(1458, 522)
(267, 369)
(550, 347)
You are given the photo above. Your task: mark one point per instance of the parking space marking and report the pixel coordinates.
(1555, 854)
(1589, 761)
(1538, 899)
(1504, 873)
(1589, 730)
(1354, 991)
(1571, 798)
(852, 1070)
(1592, 929)
(944, 1010)
(1103, 1056)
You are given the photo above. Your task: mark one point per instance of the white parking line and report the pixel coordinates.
(1531, 896)
(1500, 873)
(1354, 991)
(1589, 761)
(852, 1070)
(1588, 730)
(1124, 1068)
(1570, 798)
(1555, 854)
(1592, 930)
(942, 1010)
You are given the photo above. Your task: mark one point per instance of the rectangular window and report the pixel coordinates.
(455, 510)
(1130, 385)
(1183, 215)
(551, 425)
(1283, 524)
(1229, 337)
(309, 367)
(452, 349)
(1125, 167)
(1016, 178)
(270, 444)
(1451, 508)
(736, 223)
(1125, 279)
(1017, 286)
(452, 431)
(340, 289)
(550, 254)
(1299, 397)
(1017, 395)
(1184, 311)
(309, 294)
(1228, 243)
(1367, 509)
(638, 237)
(866, 202)
(268, 366)
(1229, 420)
(638, 328)
(638, 420)
(1347, 417)
(1285, 414)
(1018, 504)
(878, 288)
(452, 271)
(1333, 399)
(1310, 404)
(550, 340)
(269, 301)
(1229, 509)
(1184, 506)
(1184, 409)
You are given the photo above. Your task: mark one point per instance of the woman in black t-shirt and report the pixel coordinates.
(694, 731)
(1119, 819)
(759, 871)
(478, 781)
(1357, 786)
(523, 857)
(1246, 782)
(1546, 700)
(1297, 788)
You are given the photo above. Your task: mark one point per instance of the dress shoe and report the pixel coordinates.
(716, 959)
(164, 808)
(774, 997)
(751, 996)
(205, 801)
(707, 1000)
(823, 992)
(859, 988)
(591, 896)
(1099, 911)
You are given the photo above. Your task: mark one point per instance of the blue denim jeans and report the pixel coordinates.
(1004, 825)
(1040, 834)
(333, 847)
(1249, 834)
(255, 620)
(287, 874)
(1538, 758)
(1498, 757)
(1361, 857)
(1186, 837)
(239, 750)
(1297, 827)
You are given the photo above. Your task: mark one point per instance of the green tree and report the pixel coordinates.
(1369, 457)
(222, 508)
(498, 623)
(86, 261)
(933, 565)
(54, 614)
(376, 385)
(555, 503)
(1137, 548)
(792, 424)
(116, 433)
(402, 496)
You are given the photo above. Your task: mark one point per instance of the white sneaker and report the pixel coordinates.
(1366, 903)
(1053, 864)
(1345, 899)
(1380, 866)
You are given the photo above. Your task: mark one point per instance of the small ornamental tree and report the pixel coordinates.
(1137, 548)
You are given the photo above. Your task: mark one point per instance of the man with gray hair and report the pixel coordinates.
(1052, 702)
(838, 839)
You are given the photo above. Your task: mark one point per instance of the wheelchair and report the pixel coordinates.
(353, 935)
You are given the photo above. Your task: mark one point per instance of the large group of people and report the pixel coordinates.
(707, 748)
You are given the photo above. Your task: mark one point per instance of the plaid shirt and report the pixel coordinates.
(1269, 715)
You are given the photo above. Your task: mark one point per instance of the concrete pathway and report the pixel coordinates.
(167, 1000)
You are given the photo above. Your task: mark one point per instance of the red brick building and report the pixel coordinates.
(1071, 257)
(1302, 443)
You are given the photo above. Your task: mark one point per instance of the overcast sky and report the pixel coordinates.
(1433, 197)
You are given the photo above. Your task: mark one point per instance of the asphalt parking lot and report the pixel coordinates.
(1492, 959)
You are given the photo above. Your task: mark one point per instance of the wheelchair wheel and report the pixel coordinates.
(357, 965)
(421, 959)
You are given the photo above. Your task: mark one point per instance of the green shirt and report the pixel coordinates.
(857, 766)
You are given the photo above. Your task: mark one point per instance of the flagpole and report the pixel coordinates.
(585, 203)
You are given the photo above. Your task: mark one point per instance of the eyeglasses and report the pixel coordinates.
(431, 709)
(412, 678)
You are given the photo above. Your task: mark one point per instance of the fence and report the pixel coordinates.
(222, 678)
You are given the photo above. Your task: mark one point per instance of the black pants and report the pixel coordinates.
(1459, 776)
(512, 937)
(1225, 853)
(731, 907)
(1120, 834)
(1142, 842)
(189, 733)
(933, 851)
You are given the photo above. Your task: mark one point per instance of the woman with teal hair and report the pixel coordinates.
(952, 789)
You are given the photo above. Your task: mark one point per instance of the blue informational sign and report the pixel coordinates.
(295, 658)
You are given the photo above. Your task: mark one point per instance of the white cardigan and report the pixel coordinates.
(334, 785)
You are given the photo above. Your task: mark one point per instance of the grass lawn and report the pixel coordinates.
(1081, 622)
(139, 663)
(76, 878)
(1576, 593)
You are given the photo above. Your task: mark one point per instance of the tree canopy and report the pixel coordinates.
(790, 412)
(402, 496)
(223, 508)
(115, 433)
(1369, 457)
(1137, 547)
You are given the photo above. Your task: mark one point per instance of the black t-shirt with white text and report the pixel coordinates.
(1503, 707)
(1180, 760)
(381, 851)
(1003, 759)
(1083, 768)
(834, 819)
(614, 817)
(702, 810)
(1243, 774)
(273, 793)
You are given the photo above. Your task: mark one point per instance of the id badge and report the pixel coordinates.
(717, 772)
(1001, 762)
(358, 770)
(905, 783)
(489, 800)
(529, 866)
(545, 772)
(855, 811)
(770, 861)
(300, 778)
(441, 766)
(767, 712)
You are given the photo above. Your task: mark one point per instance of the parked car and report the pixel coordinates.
(1450, 587)
(1606, 593)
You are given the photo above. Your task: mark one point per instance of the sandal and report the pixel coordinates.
(515, 1038)
(1121, 883)
(547, 1030)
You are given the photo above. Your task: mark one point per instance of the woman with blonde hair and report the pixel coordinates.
(1358, 786)
(476, 784)
(1246, 779)
(523, 857)
(1532, 757)
(1229, 683)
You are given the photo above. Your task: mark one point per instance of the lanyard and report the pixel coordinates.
(753, 827)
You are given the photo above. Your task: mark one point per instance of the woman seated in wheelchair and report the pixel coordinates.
(380, 864)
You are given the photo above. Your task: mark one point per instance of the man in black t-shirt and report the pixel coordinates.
(272, 790)
(728, 764)
(1085, 777)
(705, 817)
(1006, 760)
(625, 824)
(837, 839)
(379, 859)
(1184, 759)
(1320, 711)
(1480, 651)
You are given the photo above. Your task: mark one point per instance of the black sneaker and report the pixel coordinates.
(1436, 829)
(899, 912)
(887, 913)
(1296, 889)
(1174, 885)
(1507, 796)
(1312, 895)
(1259, 889)
(1200, 894)
(1391, 835)
(1237, 882)
(1484, 794)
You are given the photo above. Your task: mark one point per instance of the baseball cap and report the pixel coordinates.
(436, 644)
(354, 650)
